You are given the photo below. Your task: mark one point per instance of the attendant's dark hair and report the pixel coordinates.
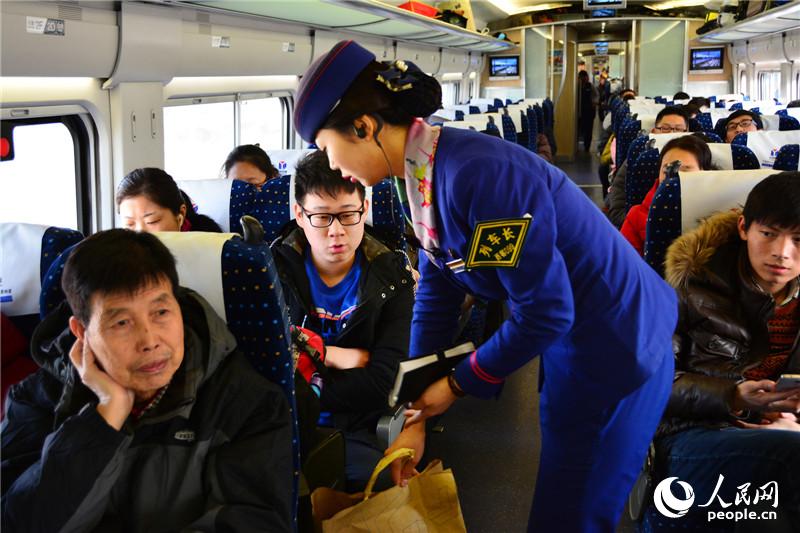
(253, 154)
(113, 262)
(680, 95)
(313, 175)
(627, 97)
(775, 201)
(155, 184)
(673, 110)
(690, 143)
(367, 96)
(700, 101)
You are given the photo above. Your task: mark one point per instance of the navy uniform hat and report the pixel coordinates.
(324, 84)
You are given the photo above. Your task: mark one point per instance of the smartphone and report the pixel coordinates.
(788, 382)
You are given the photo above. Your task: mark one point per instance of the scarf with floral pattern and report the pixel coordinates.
(417, 194)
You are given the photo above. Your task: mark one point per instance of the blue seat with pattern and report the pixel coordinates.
(498, 104)
(241, 283)
(735, 107)
(704, 119)
(29, 251)
(474, 110)
(766, 144)
(627, 134)
(681, 201)
(225, 201)
(786, 123)
(642, 173)
(459, 115)
(787, 158)
(509, 130)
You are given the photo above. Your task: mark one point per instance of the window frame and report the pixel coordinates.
(283, 96)
(82, 130)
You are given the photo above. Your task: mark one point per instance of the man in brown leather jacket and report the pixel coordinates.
(727, 424)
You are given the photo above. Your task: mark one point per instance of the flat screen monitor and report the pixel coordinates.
(706, 60)
(604, 4)
(504, 68)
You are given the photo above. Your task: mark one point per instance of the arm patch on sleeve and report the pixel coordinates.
(497, 243)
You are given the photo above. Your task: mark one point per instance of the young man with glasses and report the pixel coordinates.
(741, 121)
(671, 119)
(355, 293)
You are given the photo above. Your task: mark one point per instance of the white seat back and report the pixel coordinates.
(20, 257)
(765, 144)
(212, 197)
(708, 192)
(286, 160)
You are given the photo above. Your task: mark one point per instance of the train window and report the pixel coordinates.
(450, 93)
(41, 184)
(197, 138)
(263, 122)
(769, 84)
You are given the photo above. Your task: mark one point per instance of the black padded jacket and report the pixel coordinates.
(722, 325)
(381, 324)
(214, 455)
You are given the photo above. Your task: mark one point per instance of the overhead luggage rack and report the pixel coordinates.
(367, 17)
(776, 20)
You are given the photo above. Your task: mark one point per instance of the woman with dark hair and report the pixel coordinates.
(249, 163)
(495, 221)
(148, 199)
(694, 154)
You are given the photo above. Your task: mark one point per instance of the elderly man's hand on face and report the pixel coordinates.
(116, 401)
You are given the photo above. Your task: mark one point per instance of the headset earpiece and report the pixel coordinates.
(360, 132)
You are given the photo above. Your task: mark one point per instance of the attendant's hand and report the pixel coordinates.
(436, 399)
(346, 358)
(761, 396)
(404, 469)
(115, 401)
(774, 420)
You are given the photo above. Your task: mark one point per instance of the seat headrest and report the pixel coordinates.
(286, 160)
(212, 197)
(28, 251)
(771, 122)
(198, 258)
(765, 144)
(708, 192)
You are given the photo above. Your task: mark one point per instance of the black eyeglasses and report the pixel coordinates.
(323, 220)
(742, 123)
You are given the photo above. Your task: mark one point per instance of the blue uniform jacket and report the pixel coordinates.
(580, 294)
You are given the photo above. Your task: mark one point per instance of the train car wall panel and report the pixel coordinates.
(791, 45)
(150, 40)
(454, 61)
(232, 51)
(766, 50)
(36, 41)
(382, 48)
(427, 59)
(738, 53)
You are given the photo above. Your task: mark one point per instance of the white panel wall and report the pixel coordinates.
(766, 50)
(454, 61)
(87, 48)
(427, 59)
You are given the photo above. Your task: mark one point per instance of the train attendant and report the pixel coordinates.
(496, 221)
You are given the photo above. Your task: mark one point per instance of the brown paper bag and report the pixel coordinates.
(429, 503)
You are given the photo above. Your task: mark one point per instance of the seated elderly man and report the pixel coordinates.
(143, 416)
(731, 427)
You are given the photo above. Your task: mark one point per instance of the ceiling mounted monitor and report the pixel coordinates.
(604, 4)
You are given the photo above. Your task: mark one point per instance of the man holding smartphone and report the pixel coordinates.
(738, 331)
(143, 416)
